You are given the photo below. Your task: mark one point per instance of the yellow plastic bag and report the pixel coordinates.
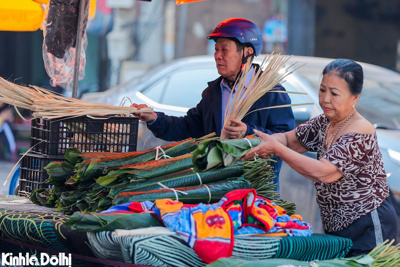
(20, 15)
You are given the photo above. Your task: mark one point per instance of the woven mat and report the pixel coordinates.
(315, 247)
(171, 250)
(26, 222)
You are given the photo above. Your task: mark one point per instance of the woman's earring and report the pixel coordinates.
(354, 106)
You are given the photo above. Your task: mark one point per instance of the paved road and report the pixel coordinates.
(5, 169)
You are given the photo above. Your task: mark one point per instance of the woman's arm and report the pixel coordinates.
(288, 148)
(289, 140)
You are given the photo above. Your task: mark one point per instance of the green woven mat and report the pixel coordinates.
(315, 247)
(171, 250)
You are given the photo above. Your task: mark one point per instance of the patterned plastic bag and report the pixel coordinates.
(59, 45)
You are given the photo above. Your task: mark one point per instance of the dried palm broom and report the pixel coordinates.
(47, 104)
(272, 71)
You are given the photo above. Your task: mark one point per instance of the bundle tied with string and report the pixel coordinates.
(186, 193)
(272, 71)
(163, 156)
(215, 153)
(210, 193)
(49, 105)
(173, 190)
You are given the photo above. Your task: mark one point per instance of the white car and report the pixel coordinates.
(175, 87)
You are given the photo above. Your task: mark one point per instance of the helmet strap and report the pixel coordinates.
(244, 58)
(244, 61)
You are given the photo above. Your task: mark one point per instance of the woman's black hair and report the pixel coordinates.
(348, 70)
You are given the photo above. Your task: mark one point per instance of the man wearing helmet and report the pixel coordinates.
(237, 41)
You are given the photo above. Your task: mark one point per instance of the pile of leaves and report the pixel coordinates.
(95, 181)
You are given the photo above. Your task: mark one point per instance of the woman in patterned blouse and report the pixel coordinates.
(349, 176)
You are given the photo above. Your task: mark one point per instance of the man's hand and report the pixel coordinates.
(144, 116)
(236, 130)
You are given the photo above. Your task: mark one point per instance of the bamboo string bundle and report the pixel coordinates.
(49, 105)
(386, 254)
(272, 71)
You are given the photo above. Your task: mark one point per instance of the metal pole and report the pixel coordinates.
(78, 48)
(181, 30)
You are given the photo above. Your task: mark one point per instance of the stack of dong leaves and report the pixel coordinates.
(191, 171)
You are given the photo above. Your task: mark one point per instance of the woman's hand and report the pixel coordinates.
(237, 129)
(144, 116)
(264, 149)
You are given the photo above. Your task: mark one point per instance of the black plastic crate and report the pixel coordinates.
(32, 174)
(53, 136)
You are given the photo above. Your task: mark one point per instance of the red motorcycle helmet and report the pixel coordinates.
(243, 30)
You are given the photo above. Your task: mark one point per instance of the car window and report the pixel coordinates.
(302, 113)
(184, 88)
(380, 98)
(155, 91)
(312, 73)
(379, 103)
(297, 98)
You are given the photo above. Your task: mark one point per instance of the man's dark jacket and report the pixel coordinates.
(206, 118)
